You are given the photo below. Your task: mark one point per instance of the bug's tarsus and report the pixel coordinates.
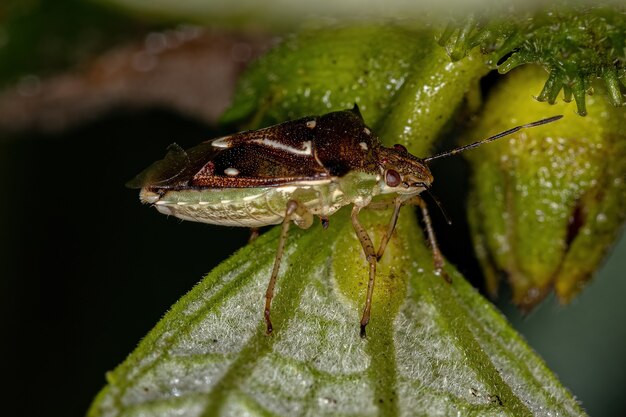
(363, 331)
(268, 322)
(494, 137)
(365, 318)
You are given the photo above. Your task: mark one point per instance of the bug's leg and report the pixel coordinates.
(392, 225)
(437, 256)
(293, 207)
(254, 233)
(370, 255)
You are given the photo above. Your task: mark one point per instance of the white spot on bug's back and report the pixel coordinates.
(231, 172)
(363, 145)
(222, 143)
(306, 150)
(311, 124)
(367, 131)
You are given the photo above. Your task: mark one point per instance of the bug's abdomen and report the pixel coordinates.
(216, 207)
(223, 214)
(252, 207)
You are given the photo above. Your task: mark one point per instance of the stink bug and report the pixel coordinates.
(294, 171)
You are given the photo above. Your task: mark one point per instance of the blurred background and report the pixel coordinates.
(90, 94)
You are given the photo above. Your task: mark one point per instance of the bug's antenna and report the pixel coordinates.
(494, 137)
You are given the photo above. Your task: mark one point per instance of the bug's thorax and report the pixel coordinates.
(401, 172)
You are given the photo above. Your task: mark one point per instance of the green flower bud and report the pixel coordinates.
(547, 203)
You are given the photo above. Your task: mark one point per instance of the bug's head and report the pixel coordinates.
(402, 173)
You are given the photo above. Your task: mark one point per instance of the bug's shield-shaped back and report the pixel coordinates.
(307, 149)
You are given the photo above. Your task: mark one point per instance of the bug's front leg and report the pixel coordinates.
(437, 256)
(438, 259)
(293, 208)
(397, 203)
(370, 255)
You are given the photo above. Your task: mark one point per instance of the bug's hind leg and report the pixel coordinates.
(370, 255)
(306, 219)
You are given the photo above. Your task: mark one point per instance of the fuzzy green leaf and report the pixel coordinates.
(432, 348)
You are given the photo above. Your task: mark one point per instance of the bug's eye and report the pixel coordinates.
(392, 178)
(400, 148)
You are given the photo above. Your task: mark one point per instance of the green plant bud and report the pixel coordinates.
(548, 203)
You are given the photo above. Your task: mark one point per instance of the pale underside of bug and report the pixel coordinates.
(295, 171)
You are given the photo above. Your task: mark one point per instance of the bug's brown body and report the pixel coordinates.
(291, 172)
(246, 179)
(308, 149)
